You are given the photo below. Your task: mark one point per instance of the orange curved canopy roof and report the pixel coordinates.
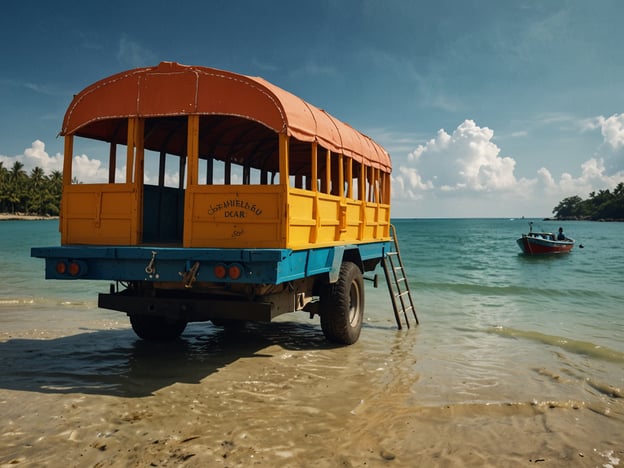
(171, 89)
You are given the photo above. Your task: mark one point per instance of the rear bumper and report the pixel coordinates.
(189, 308)
(171, 264)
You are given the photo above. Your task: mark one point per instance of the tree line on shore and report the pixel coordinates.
(604, 205)
(35, 193)
(40, 194)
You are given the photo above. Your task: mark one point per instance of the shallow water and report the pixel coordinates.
(516, 360)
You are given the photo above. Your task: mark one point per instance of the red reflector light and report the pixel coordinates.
(219, 271)
(61, 268)
(234, 272)
(74, 269)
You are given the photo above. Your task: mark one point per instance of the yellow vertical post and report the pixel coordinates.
(130, 150)
(284, 167)
(386, 200)
(328, 171)
(67, 159)
(341, 175)
(362, 194)
(362, 197)
(377, 204)
(193, 150)
(284, 170)
(349, 179)
(192, 168)
(314, 167)
(139, 152)
(342, 210)
(314, 187)
(349, 183)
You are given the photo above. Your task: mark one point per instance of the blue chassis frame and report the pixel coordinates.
(166, 264)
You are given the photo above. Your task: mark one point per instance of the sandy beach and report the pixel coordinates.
(23, 217)
(275, 395)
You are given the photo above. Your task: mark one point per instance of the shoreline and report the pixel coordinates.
(24, 217)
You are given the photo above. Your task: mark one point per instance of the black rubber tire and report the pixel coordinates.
(342, 306)
(155, 328)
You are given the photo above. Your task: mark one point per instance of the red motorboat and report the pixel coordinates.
(542, 243)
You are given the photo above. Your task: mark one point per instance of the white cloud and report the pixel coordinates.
(88, 170)
(463, 174)
(465, 160)
(612, 129)
(35, 156)
(84, 168)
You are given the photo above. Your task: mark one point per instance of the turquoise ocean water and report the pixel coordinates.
(495, 325)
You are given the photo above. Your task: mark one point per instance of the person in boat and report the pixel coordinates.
(561, 236)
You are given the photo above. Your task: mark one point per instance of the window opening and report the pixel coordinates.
(98, 162)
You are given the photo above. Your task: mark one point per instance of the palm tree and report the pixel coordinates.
(16, 192)
(34, 193)
(53, 189)
(17, 171)
(37, 191)
(4, 175)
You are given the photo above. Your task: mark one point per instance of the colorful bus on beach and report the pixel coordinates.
(224, 198)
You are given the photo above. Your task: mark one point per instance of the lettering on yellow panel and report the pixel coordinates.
(234, 208)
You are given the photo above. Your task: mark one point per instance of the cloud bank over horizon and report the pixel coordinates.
(466, 163)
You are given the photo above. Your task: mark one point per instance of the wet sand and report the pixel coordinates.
(86, 392)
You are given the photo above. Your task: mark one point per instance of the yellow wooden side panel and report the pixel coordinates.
(370, 227)
(377, 224)
(301, 218)
(352, 221)
(235, 216)
(383, 229)
(317, 219)
(328, 215)
(99, 214)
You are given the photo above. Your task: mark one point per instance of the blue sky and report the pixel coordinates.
(488, 108)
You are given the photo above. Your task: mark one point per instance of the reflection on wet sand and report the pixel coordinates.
(271, 395)
(115, 362)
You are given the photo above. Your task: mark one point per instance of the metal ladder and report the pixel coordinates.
(398, 286)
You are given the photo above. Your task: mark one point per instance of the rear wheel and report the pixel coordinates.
(342, 306)
(156, 328)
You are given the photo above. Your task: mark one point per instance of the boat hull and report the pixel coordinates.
(533, 245)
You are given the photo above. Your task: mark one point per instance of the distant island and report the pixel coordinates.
(602, 206)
